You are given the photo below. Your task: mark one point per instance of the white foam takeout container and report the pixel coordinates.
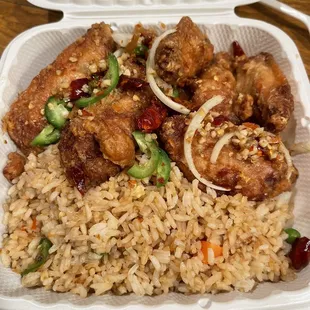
(31, 51)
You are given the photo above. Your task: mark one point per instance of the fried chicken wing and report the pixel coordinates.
(103, 133)
(272, 102)
(183, 54)
(82, 58)
(249, 168)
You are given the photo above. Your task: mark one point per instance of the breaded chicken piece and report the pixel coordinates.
(250, 172)
(24, 120)
(14, 166)
(83, 161)
(183, 54)
(272, 102)
(216, 79)
(102, 133)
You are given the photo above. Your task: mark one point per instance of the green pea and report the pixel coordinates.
(293, 234)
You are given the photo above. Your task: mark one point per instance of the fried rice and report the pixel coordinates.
(128, 235)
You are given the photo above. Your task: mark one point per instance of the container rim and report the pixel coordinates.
(88, 6)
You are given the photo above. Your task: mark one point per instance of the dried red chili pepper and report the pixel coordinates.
(86, 113)
(128, 83)
(152, 117)
(250, 125)
(219, 120)
(76, 89)
(300, 253)
(237, 49)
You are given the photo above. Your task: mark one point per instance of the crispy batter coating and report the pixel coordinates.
(216, 79)
(230, 172)
(25, 120)
(183, 54)
(134, 67)
(14, 166)
(243, 106)
(83, 161)
(261, 78)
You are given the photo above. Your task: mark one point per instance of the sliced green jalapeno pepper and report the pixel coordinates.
(163, 169)
(146, 170)
(47, 136)
(159, 162)
(55, 112)
(112, 74)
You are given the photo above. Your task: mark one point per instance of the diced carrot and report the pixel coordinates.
(132, 183)
(23, 228)
(250, 125)
(140, 219)
(260, 153)
(50, 235)
(205, 245)
(34, 223)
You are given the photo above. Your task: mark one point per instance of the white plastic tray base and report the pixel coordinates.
(27, 56)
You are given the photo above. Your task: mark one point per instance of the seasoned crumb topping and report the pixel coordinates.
(73, 59)
(251, 140)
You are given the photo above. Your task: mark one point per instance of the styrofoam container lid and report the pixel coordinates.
(114, 5)
(36, 48)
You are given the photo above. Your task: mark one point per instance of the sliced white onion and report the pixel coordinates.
(151, 58)
(189, 135)
(118, 52)
(219, 145)
(150, 72)
(283, 199)
(163, 85)
(300, 148)
(122, 39)
(288, 159)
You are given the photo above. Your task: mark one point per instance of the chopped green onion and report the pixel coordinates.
(41, 258)
(175, 93)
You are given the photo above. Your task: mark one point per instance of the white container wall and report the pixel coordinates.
(36, 48)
